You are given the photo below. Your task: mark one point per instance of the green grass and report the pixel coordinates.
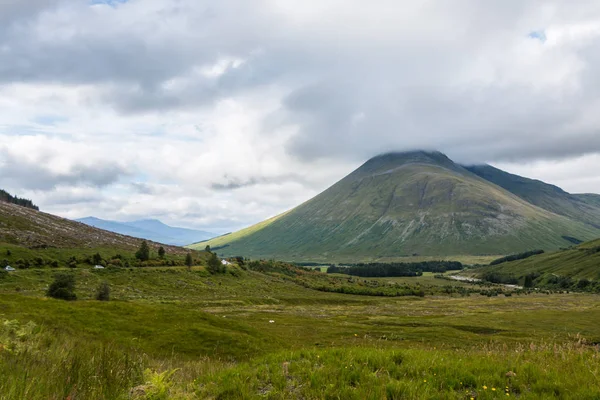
(565, 372)
(12, 254)
(178, 333)
(575, 263)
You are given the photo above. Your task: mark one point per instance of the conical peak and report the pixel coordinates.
(393, 160)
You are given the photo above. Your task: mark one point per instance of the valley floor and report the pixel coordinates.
(174, 333)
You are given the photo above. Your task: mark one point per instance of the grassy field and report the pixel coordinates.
(179, 333)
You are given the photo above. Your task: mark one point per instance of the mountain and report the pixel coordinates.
(34, 229)
(151, 229)
(580, 207)
(403, 204)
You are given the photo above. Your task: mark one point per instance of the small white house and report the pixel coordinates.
(225, 262)
(9, 268)
(98, 267)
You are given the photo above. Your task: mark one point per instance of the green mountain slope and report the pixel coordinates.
(578, 262)
(404, 204)
(581, 207)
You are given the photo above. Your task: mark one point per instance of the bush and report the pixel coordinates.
(72, 263)
(63, 287)
(103, 292)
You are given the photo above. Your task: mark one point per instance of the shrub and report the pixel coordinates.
(103, 292)
(583, 283)
(116, 262)
(72, 263)
(161, 252)
(63, 287)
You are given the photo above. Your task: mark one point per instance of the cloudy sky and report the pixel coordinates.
(218, 114)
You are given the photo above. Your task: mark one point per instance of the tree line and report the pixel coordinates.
(382, 270)
(514, 257)
(8, 198)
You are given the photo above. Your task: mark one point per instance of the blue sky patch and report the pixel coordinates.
(112, 3)
(539, 35)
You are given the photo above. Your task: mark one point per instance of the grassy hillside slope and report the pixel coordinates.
(405, 204)
(31, 229)
(581, 207)
(573, 264)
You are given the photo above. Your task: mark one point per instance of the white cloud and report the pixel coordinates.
(220, 114)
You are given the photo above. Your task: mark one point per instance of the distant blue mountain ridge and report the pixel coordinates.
(150, 229)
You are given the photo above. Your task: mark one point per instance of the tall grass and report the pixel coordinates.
(40, 364)
(568, 371)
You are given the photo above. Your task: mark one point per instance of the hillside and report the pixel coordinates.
(150, 229)
(405, 204)
(580, 207)
(29, 228)
(8, 198)
(562, 268)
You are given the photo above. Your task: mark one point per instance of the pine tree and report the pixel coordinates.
(143, 254)
(214, 264)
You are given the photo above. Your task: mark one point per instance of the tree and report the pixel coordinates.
(528, 281)
(189, 261)
(63, 287)
(103, 292)
(207, 249)
(96, 259)
(161, 252)
(143, 254)
(214, 264)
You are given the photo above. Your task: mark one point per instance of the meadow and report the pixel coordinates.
(174, 332)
